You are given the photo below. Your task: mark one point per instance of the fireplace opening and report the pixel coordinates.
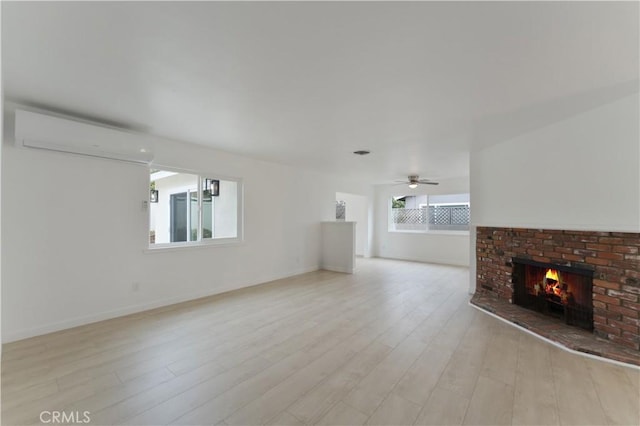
(558, 291)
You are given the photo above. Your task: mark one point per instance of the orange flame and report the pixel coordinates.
(552, 274)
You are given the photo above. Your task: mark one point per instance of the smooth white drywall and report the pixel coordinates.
(579, 173)
(582, 173)
(75, 234)
(450, 248)
(1, 133)
(338, 246)
(357, 210)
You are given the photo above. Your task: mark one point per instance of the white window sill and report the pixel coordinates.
(434, 232)
(161, 248)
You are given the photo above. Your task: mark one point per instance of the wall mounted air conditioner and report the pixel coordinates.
(33, 130)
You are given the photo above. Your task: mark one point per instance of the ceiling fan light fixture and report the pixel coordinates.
(414, 180)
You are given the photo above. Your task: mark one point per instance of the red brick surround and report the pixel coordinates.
(614, 257)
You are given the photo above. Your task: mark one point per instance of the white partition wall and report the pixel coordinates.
(357, 210)
(339, 246)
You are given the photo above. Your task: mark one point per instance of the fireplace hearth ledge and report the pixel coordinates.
(569, 338)
(613, 256)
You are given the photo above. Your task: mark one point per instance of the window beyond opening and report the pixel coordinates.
(341, 210)
(422, 213)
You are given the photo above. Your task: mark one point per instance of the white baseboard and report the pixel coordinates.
(13, 336)
(342, 269)
(445, 262)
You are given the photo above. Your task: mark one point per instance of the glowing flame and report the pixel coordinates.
(552, 274)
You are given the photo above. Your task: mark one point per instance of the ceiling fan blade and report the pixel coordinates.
(429, 182)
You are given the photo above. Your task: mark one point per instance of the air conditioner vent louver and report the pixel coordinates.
(34, 130)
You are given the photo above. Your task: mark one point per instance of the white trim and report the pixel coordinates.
(573, 351)
(209, 242)
(557, 227)
(432, 231)
(343, 269)
(468, 204)
(430, 261)
(102, 316)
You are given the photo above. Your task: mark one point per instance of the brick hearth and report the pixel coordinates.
(614, 257)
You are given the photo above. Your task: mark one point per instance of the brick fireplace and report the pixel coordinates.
(612, 259)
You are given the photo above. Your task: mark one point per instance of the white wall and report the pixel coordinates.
(582, 173)
(339, 246)
(1, 132)
(414, 202)
(437, 246)
(75, 234)
(357, 210)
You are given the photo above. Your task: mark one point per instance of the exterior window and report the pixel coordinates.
(341, 210)
(422, 213)
(188, 208)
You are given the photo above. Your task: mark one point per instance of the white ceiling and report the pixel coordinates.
(418, 84)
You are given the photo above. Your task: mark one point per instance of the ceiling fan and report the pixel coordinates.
(414, 181)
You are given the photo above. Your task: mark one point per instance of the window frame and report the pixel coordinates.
(391, 227)
(201, 242)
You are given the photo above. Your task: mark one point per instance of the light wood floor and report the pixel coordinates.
(396, 343)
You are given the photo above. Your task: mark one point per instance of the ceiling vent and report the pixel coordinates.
(50, 133)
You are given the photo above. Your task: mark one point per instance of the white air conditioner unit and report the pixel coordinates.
(41, 131)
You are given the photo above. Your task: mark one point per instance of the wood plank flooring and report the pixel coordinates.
(394, 344)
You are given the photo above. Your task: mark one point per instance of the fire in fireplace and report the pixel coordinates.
(560, 291)
(554, 289)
